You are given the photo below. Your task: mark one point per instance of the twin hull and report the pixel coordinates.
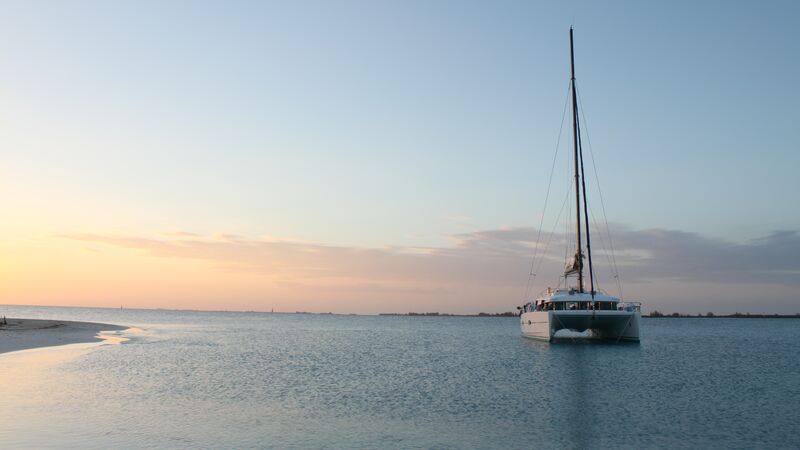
(604, 324)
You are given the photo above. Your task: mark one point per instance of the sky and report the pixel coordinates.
(394, 156)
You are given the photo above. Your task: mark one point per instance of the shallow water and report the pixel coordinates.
(243, 380)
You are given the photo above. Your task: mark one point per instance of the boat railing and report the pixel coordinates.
(629, 306)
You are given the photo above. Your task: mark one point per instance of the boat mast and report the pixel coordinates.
(586, 216)
(578, 256)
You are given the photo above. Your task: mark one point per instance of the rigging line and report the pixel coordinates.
(585, 213)
(550, 180)
(606, 250)
(550, 237)
(531, 273)
(597, 177)
(553, 231)
(608, 257)
(602, 243)
(600, 191)
(569, 237)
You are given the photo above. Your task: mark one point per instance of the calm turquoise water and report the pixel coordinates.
(237, 380)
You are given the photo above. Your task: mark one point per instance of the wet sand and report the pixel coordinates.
(24, 334)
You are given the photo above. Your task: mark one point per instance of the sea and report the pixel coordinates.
(189, 379)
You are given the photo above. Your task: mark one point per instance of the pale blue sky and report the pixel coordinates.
(392, 123)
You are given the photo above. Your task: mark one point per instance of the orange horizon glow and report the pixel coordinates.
(480, 272)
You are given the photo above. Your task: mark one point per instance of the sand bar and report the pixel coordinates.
(24, 334)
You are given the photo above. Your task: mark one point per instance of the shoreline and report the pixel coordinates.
(27, 334)
(725, 316)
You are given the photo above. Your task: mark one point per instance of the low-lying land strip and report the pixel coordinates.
(23, 334)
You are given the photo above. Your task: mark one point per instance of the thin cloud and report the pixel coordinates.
(493, 257)
(670, 254)
(488, 269)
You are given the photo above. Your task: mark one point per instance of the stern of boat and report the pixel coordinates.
(608, 325)
(612, 325)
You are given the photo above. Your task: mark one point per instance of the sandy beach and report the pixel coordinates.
(23, 334)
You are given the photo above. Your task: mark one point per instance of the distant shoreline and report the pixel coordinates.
(648, 316)
(436, 314)
(654, 314)
(724, 316)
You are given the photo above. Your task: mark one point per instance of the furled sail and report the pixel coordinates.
(574, 264)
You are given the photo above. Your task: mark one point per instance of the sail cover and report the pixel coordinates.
(573, 265)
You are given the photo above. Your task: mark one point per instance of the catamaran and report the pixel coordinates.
(591, 312)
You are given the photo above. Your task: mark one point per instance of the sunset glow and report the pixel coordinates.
(296, 160)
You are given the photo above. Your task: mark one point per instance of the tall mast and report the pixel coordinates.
(586, 215)
(578, 256)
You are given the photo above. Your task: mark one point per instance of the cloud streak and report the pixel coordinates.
(488, 257)
(484, 270)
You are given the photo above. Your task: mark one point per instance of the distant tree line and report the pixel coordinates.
(656, 313)
(436, 314)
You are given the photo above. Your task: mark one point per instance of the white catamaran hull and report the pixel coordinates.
(613, 325)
